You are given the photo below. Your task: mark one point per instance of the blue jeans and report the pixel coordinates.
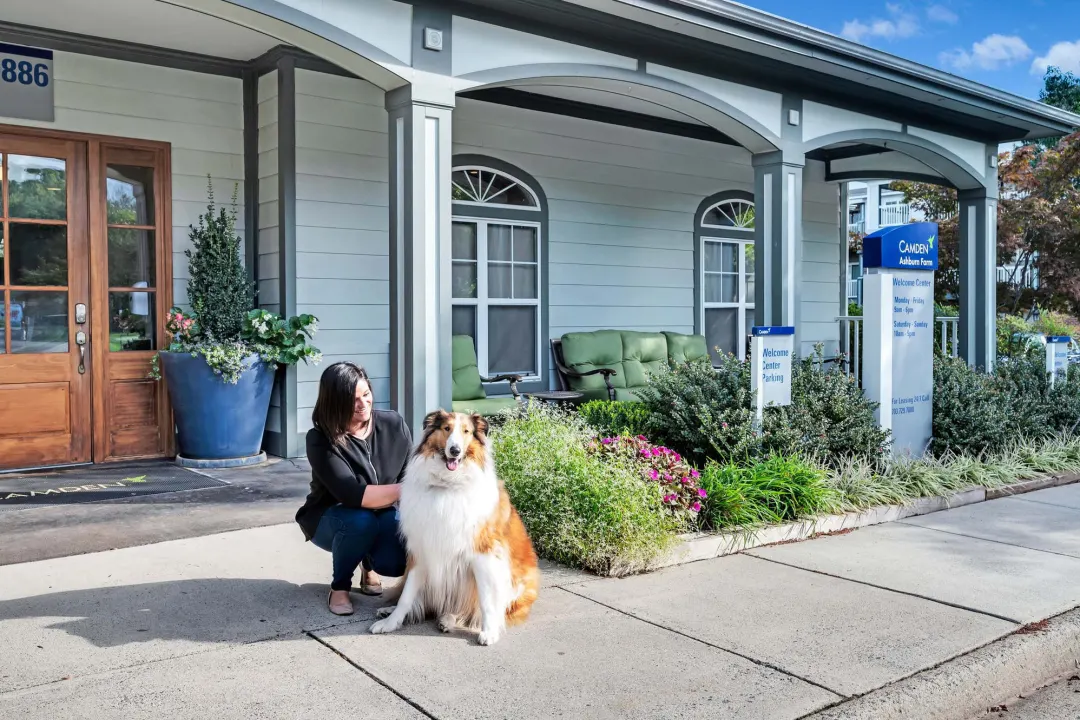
(355, 535)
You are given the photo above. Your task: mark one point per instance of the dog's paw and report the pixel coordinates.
(385, 611)
(488, 637)
(447, 623)
(381, 627)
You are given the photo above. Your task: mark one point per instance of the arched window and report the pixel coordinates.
(499, 270)
(724, 271)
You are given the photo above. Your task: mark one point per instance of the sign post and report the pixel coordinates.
(898, 316)
(1057, 356)
(771, 348)
(26, 82)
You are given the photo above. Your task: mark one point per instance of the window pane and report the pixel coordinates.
(512, 340)
(748, 250)
(463, 319)
(524, 244)
(499, 281)
(37, 188)
(130, 195)
(525, 282)
(499, 243)
(2, 276)
(721, 331)
(712, 256)
(751, 281)
(504, 191)
(131, 321)
(3, 323)
(39, 322)
(463, 241)
(729, 257)
(131, 258)
(713, 287)
(730, 289)
(749, 323)
(38, 254)
(463, 276)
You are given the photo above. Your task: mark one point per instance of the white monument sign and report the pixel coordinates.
(26, 82)
(771, 348)
(1057, 356)
(898, 317)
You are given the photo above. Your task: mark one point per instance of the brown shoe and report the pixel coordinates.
(371, 583)
(339, 602)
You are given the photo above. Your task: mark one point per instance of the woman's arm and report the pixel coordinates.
(335, 474)
(381, 496)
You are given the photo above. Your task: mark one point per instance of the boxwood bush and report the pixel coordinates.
(611, 417)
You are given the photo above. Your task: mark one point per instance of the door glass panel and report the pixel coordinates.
(131, 258)
(39, 321)
(3, 273)
(129, 195)
(131, 321)
(463, 241)
(38, 254)
(3, 323)
(721, 331)
(499, 281)
(512, 340)
(37, 188)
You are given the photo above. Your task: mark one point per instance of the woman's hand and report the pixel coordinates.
(380, 496)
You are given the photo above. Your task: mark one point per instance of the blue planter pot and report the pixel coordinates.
(216, 420)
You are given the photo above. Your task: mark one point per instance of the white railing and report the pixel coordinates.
(854, 290)
(851, 341)
(857, 226)
(894, 214)
(1009, 273)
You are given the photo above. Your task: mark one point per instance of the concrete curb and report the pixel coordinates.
(962, 688)
(703, 546)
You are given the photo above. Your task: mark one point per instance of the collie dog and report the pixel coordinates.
(470, 559)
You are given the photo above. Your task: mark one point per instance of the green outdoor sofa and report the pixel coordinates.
(615, 364)
(469, 394)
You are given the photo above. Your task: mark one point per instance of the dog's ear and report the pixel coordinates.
(434, 418)
(480, 424)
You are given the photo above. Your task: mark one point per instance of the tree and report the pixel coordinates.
(1062, 90)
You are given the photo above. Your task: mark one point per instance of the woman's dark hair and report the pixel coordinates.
(337, 397)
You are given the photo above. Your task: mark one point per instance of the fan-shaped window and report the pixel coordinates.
(736, 214)
(484, 186)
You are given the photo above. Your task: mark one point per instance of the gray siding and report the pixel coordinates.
(342, 228)
(820, 261)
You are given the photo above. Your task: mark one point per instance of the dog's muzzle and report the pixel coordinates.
(453, 458)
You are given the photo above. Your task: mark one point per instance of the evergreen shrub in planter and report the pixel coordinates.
(220, 364)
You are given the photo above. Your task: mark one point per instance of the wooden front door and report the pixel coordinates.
(45, 385)
(84, 289)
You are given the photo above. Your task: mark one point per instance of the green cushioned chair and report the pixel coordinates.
(616, 364)
(469, 393)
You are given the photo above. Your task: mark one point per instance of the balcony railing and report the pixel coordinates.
(948, 332)
(854, 290)
(857, 226)
(894, 215)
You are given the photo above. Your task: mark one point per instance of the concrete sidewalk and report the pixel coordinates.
(234, 626)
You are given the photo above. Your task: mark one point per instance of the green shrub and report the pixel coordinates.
(859, 485)
(616, 418)
(580, 509)
(970, 413)
(777, 489)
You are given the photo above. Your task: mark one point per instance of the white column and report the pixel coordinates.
(978, 278)
(778, 203)
(420, 228)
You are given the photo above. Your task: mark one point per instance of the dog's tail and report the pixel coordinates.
(518, 610)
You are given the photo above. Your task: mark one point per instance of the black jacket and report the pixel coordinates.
(340, 474)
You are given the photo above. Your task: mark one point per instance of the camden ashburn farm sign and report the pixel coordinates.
(771, 348)
(898, 316)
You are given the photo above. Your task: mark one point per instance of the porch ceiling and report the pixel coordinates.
(148, 22)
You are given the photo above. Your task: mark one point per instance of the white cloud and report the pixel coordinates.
(942, 14)
(990, 53)
(1064, 55)
(898, 24)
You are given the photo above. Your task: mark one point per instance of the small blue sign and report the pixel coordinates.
(763, 330)
(902, 247)
(1058, 339)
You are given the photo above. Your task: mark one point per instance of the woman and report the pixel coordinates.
(358, 457)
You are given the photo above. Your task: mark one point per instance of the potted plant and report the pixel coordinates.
(220, 364)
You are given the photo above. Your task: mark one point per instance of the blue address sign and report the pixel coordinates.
(26, 82)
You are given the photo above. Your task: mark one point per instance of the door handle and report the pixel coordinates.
(80, 340)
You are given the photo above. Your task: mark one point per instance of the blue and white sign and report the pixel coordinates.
(902, 247)
(26, 83)
(1057, 356)
(898, 312)
(771, 348)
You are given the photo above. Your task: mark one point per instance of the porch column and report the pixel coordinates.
(778, 179)
(420, 303)
(978, 277)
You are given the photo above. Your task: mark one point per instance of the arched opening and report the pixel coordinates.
(724, 271)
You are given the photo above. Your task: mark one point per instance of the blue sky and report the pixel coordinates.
(996, 42)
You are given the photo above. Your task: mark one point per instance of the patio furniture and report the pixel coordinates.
(468, 388)
(554, 397)
(615, 364)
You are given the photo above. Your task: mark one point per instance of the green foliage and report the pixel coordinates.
(218, 287)
(708, 415)
(581, 509)
(612, 417)
(282, 341)
(1060, 89)
(776, 489)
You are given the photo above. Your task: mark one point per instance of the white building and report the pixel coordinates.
(514, 170)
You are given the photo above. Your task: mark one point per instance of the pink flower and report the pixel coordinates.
(696, 507)
(669, 498)
(695, 474)
(678, 457)
(653, 475)
(642, 438)
(701, 493)
(723, 425)
(667, 476)
(606, 441)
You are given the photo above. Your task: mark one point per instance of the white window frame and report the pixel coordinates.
(482, 302)
(744, 304)
(535, 207)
